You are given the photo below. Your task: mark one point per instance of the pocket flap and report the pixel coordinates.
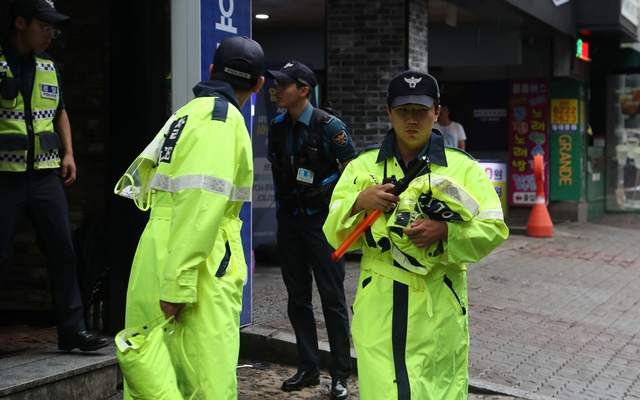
(14, 142)
(49, 140)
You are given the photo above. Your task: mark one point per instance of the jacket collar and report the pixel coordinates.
(434, 148)
(211, 88)
(305, 117)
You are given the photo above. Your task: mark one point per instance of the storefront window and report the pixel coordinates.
(623, 149)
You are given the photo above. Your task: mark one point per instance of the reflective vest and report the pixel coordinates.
(14, 118)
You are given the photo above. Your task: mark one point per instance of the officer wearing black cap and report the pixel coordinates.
(189, 262)
(410, 326)
(308, 148)
(36, 152)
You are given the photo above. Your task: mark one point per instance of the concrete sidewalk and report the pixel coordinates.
(549, 318)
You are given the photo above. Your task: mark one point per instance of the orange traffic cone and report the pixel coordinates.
(539, 224)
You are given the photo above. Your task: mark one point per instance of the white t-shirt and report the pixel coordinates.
(452, 133)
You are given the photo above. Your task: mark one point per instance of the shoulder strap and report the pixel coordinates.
(220, 109)
(319, 118)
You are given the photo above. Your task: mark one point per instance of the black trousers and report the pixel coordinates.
(305, 254)
(40, 195)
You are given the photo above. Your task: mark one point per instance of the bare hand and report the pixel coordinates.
(68, 169)
(425, 232)
(171, 309)
(377, 197)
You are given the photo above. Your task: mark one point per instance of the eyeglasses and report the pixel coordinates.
(49, 30)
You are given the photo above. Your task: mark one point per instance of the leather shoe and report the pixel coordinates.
(83, 340)
(339, 389)
(301, 380)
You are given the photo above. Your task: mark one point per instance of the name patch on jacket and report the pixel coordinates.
(172, 137)
(49, 91)
(436, 209)
(340, 139)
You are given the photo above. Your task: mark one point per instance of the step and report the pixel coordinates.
(39, 371)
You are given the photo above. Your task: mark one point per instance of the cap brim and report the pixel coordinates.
(53, 17)
(279, 76)
(420, 100)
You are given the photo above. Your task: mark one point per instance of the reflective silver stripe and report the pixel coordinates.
(204, 182)
(4, 66)
(491, 214)
(241, 193)
(457, 193)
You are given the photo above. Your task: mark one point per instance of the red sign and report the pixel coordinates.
(528, 136)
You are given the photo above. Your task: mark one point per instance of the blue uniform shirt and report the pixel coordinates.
(337, 142)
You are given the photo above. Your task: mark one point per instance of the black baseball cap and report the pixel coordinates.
(413, 87)
(41, 9)
(239, 61)
(295, 71)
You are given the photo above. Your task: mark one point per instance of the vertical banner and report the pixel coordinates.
(528, 136)
(264, 199)
(218, 20)
(566, 147)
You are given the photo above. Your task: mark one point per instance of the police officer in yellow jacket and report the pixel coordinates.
(195, 177)
(34, 128)
(410, 323)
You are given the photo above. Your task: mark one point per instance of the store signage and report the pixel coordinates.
(629, 10)
(567, 130)
(528, 136)
(564, 115)
(566, 169)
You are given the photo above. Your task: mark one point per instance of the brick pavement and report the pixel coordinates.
(559, 317)
(549, 318)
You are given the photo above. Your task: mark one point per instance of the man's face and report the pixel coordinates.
(36, 35)
(288, 94)
(413, 123)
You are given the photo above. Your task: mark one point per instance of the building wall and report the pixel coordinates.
(366, 47)
(418, 34)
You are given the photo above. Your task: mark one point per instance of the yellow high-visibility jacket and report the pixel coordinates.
(191, 251)
(45, 97)
(410, 323)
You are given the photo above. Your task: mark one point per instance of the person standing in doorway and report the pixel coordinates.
(36, 159)
(452, 132)
(410, 325)
(308, 148)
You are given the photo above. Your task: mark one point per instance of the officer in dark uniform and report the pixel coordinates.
(35, 155)
(308, 148)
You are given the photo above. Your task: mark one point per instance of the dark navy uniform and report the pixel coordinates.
(306, 161)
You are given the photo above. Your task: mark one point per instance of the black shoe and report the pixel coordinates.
(83, 340)
(301, 380)
(339, 389)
